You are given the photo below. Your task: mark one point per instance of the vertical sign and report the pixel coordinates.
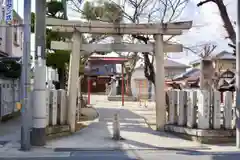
(1, 5)
(2, 16)
(9, 11)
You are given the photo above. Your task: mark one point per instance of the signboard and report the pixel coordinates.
(102, 70)
(1, 10)
(9, 11)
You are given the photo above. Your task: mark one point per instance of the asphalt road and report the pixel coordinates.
(140, 155)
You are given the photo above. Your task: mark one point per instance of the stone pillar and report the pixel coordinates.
(73, 79)
(191, 104)
(203, 109)
(228, 99)
(217, 116)
(113, 90)
(159, 80)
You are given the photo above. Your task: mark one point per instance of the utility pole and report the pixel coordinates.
(238, 78)
(64, 2)
(25, 79)
(39, 103)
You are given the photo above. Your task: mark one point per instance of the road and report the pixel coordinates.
(140, 141)
(139, 155)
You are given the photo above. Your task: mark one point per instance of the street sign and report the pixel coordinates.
(1, 12)
(9, 11)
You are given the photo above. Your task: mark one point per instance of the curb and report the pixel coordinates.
(68, 133)
(21, 154)
(57, 135)
(149, 124)
(10, 116)
(88, 123)
(13, 151)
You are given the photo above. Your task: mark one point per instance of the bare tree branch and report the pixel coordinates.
(203, 2)
(147, 10)
(226, 20)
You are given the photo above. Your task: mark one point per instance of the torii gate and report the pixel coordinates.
(75, 29)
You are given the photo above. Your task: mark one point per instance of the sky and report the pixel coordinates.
(207, 28)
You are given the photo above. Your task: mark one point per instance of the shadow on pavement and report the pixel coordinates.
(97, 137)
(132, 122)
(10, 129)
(214, 155)
(103, 155)
(230, 156)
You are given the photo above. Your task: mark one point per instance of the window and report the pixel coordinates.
(234, 66)
(15, 35)
(21, 40)
(227, 74)
(170, 74)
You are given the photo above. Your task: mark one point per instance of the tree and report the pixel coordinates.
(152, 10)
(226, 20)
(206, 66)
(10, 67)
(162, 11)
(108, 12)
(55, 58)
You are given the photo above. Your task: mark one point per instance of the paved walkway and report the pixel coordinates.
(134, 130)
(98, 136)
(10, 131)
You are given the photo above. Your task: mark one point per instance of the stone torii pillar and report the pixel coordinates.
(73, 78)
(159, 83)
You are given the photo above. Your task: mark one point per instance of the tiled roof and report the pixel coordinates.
(191, 73)
(167, 64)
(170, 63)
(225, 55)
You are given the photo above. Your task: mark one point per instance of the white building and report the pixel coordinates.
(11, 38)
(141, 86)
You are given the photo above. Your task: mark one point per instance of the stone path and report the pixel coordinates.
(137, 134)
(98, 136)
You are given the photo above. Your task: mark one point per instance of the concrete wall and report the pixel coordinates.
(138, 75)
(17, 46)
